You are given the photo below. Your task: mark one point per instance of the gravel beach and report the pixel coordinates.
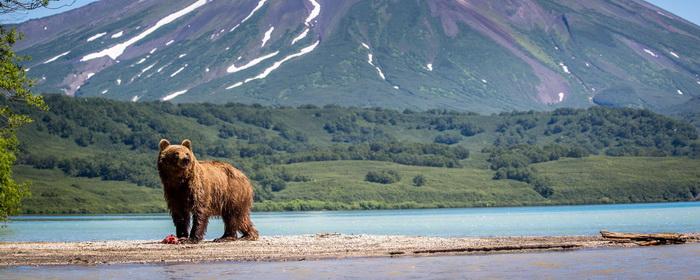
(286, 248)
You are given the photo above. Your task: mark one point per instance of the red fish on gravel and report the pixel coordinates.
(170, 239)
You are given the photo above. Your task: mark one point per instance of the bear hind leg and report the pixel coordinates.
(230, 229)
(245, 225)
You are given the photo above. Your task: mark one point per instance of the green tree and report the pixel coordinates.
(419, 180)
(10, 6)
(383, 177)
(15, 88)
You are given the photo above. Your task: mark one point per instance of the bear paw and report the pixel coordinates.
(226, 239)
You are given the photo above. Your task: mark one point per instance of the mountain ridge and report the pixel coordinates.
(482, 56)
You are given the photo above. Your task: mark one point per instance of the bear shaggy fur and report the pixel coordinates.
(202, 189)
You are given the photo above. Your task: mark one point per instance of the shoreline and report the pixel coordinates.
(497, 206)
(289, 248)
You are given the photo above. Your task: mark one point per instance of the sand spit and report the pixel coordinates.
(285, 248)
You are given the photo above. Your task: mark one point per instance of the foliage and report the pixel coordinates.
(447, 139)
(578, 133)
(11, 193)
(340, 185)
(14, 85)
(290, 155)
(419, 180)
(383, 177)
(9, 6)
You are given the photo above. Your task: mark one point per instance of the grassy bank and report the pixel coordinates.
(55, 193)
(341, 185)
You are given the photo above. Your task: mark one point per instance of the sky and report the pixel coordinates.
(688, 9)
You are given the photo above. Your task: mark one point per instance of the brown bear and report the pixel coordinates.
(203, 189)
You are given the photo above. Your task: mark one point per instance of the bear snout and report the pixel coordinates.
(185, 161)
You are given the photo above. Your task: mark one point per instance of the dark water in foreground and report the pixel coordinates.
(666, 262)
(508, 221)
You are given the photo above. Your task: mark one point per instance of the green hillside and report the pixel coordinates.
(55, 193)
(89, 155)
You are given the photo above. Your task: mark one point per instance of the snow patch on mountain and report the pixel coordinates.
(233, 68)
(117, 35)
(267, 35)
(314, 12)
(301, 36)
(135, 98)
(96, 36)
(119, 82)
(178, 71)
(429, 66)
(117, 50)
(56, 57)
(168, 43)
(173, 95)
(277, 64)
(564, 68)
(182, 55)
(153, 50)
(381, 74)
(162, 67)
(650, 52)
(148, 68)
(89, 75)
(561, 96)
(257, 7)
(679, 92)
(675, 54)
(238, 84)
(370, 60)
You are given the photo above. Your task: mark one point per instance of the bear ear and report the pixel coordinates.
(187, 143)
(164, 143)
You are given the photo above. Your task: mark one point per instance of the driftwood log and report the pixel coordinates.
(645, 239)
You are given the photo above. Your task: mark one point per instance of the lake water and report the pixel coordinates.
(665, 262)
(508, 221)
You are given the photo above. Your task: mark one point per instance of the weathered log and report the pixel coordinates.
(645, 239)
(500, 248)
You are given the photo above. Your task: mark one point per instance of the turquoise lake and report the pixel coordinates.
(665, 262)
(507, 221)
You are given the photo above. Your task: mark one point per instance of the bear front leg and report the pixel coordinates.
(181, 219)
(199, 227)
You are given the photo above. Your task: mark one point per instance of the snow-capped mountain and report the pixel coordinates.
(477, 55)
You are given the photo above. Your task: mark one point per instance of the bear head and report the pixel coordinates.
(176, 158)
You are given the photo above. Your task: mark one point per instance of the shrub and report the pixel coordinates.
(419, 180)
(448, 139)
(470, 129)
(383, 177)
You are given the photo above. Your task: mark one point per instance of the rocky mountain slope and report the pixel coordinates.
(477, 55)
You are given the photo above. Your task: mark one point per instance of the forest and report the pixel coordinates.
(117, 141)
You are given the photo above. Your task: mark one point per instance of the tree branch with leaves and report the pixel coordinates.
(15, 92)
(10, 6)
